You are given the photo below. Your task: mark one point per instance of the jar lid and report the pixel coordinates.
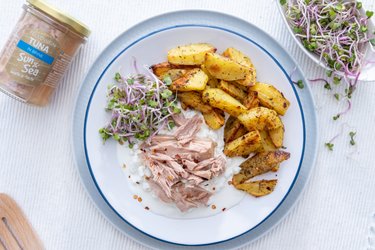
(61, 16)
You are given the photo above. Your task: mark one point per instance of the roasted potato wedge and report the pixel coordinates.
(221, 100)
(215, 119)
(262, 163)
(267, 144)
(244, 145)
(224, 68)
(192, 54)
(240, 58)
(162, 68)
(258, 188)
(193, 80)
(238, 179)
(271, 97)
(212, 81)
(260, 118)
(275, 168)
(244, 88)
(203, 67)
(240, 132)
(277, 136)
(249, 80)
(231, 127)
(174, 74)
(233, 90)
(194, 100)
(184, 106)
(251, 100)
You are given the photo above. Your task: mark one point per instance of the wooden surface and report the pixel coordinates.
(15, 230)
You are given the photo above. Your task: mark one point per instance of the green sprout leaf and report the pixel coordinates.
(336, 117)
(297, 30)
(352, 134)
(363, 29)
(329, 146)
(166, 94)
(300, 84)
(167, 80)
(369, 13)
(118, 77)
(327, 86)
(152, 103)
(336, 80)
(130, 81)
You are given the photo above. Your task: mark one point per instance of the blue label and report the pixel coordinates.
(35, 52)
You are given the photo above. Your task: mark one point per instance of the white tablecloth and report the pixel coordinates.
(336, 211)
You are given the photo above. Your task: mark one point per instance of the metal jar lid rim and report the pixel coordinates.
(60, 16)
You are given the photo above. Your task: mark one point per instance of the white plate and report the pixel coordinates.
(367, 71)
(100, 165)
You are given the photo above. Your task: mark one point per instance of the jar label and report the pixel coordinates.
(32, 58)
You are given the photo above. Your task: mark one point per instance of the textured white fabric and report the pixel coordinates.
(336, 211)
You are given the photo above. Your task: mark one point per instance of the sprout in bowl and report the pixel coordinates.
(338, 35)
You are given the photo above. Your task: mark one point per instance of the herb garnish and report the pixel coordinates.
(140, 106)
(352, 134)
(329, 146)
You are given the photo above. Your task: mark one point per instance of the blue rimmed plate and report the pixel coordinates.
(100, 165)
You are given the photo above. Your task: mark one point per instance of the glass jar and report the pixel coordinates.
(38, 52)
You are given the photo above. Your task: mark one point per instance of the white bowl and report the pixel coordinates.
(367, 72)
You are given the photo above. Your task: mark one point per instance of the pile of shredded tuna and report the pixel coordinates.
(181, 163)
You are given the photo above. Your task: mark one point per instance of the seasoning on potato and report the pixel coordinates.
(258, 188)
(192, 54)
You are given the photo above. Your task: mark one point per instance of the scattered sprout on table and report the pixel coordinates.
(352, 134)
(300, 84)
(330, 146)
